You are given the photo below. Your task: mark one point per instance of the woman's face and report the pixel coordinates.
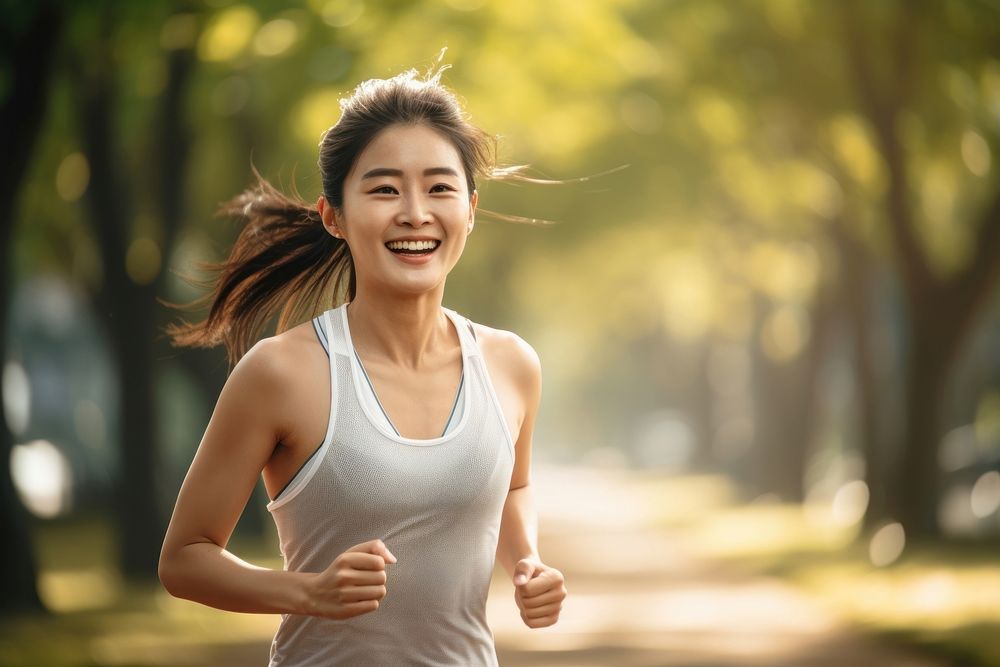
(407, 185)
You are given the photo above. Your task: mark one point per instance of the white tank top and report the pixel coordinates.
(435, 503)
(371, 398)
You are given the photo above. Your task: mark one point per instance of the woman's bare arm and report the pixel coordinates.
(519, 525)
(248, 422)
(539, 589)
(241, 435)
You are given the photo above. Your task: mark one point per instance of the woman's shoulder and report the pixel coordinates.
(275, 360)
(508, 350)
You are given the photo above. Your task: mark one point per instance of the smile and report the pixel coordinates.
(412, 247)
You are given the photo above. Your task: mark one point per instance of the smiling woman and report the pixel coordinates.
(393, 434)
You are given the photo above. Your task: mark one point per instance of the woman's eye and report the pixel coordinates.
(442, 187)
(384, 190)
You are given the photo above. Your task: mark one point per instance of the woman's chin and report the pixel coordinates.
(414, 285)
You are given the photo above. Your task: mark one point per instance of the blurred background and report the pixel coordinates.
(770, 425)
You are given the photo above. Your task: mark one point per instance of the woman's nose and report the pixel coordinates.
(414, 210)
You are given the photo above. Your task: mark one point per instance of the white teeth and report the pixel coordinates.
(411, 245)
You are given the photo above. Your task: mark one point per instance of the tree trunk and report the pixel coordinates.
(940, 312)
(929, 360)
(702, 411)
(30, 71)
(856, 290)
(786, 394)
(129, 310)
(140, 521)
(125, 310)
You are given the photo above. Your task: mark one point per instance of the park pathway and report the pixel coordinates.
(637, 599)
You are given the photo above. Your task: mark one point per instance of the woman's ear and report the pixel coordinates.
(473, 201)
(329, 215)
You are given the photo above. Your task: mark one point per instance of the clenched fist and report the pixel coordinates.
(539, 591)
(353, 583)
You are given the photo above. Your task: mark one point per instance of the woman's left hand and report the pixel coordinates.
(539, 591)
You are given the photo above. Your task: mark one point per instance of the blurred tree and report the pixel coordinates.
(25, 75)
(892, 66)
(795, 157)
(786, 401)
(857, 296)
(131, 256)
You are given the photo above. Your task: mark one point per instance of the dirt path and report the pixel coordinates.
(637, 599)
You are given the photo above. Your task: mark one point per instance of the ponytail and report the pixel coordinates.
(283, 262)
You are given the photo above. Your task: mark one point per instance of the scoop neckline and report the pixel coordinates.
(377, 424)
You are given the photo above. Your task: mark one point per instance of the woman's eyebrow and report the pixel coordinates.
(386, 171)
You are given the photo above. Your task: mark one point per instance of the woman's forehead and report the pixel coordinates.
(409, 147)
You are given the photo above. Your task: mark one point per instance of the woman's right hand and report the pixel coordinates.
(353, 584)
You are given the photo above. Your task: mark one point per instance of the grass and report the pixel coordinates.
(98, 619)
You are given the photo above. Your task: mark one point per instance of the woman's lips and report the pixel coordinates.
(415, 258)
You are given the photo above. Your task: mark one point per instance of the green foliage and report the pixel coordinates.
(740, 124)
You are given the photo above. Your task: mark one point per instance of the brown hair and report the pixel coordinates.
(283, 261)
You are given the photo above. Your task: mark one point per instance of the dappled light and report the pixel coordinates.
(338, 13)
(16, 396)
(42, 477)
(275, 37)
(985, 495)
(316, 112)
(853, 144)
(850, 503)
(73, 176)
(228, 34)
(887, 544)
(142, 260)
(784, 333)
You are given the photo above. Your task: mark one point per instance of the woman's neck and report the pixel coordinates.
(409, 332)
